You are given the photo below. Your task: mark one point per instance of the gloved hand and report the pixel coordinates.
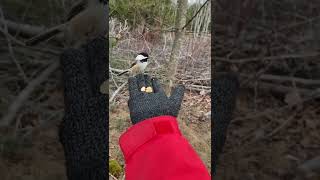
(224, 93)
(83, 131)
(144, 105)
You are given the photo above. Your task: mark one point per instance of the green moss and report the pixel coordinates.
(112, 42)
(114, 168)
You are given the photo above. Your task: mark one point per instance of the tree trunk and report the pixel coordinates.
(173, 61)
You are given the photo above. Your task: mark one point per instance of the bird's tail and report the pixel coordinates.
(123, 72)
(45, 35)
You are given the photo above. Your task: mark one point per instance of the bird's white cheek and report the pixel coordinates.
(143, 66)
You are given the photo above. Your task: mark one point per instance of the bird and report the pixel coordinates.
(140, 64)
(86, 20)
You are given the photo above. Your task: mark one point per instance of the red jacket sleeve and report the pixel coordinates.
(155, 149)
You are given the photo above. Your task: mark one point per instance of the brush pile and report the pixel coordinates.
(274, 47)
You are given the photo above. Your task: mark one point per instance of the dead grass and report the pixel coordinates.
(43, 160)
(251, 153)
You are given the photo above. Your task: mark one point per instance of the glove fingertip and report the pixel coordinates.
(74, 57)
(99, 42)
(178, 92)
(140, 76)
(179, 89)
(156, 85)
(68, 53)
(132, 80)
(133, 85)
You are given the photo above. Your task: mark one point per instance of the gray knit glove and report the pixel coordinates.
(143, 105)
(224, 93)
(83, 131)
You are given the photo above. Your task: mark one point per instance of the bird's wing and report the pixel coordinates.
(133, 64)
(77, 8)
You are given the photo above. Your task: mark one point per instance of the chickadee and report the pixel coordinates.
(86, 20)
(140, 64)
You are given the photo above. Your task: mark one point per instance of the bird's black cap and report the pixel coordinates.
(144, 54)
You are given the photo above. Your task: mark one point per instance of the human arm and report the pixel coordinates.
(154, 147)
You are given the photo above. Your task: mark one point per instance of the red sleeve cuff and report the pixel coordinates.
(146, 130)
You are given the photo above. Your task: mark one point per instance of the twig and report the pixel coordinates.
(277, 57)
(24, 29)
(276, 78)
(256, 75)
(313, 95)
(286, 27)
(280, 89)
(195, 15)
(115, 83)
(200, 86)
(11, 52)
(27, 30)
(25, 93)
(198, 89)
(145, 42)
(111, 176)
(194, 80)
(292, 117)
(117, 91)
(26, 10)
(11, 37)
(115, 70)
(52, 51)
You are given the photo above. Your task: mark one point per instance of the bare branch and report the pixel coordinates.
(277, 57)
(25, 93)
(13, 57)
(281, 79)
(117, 91)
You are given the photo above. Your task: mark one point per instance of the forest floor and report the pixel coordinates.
(267, 139)
(275, 130)
(194, 71)
(270, 142)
